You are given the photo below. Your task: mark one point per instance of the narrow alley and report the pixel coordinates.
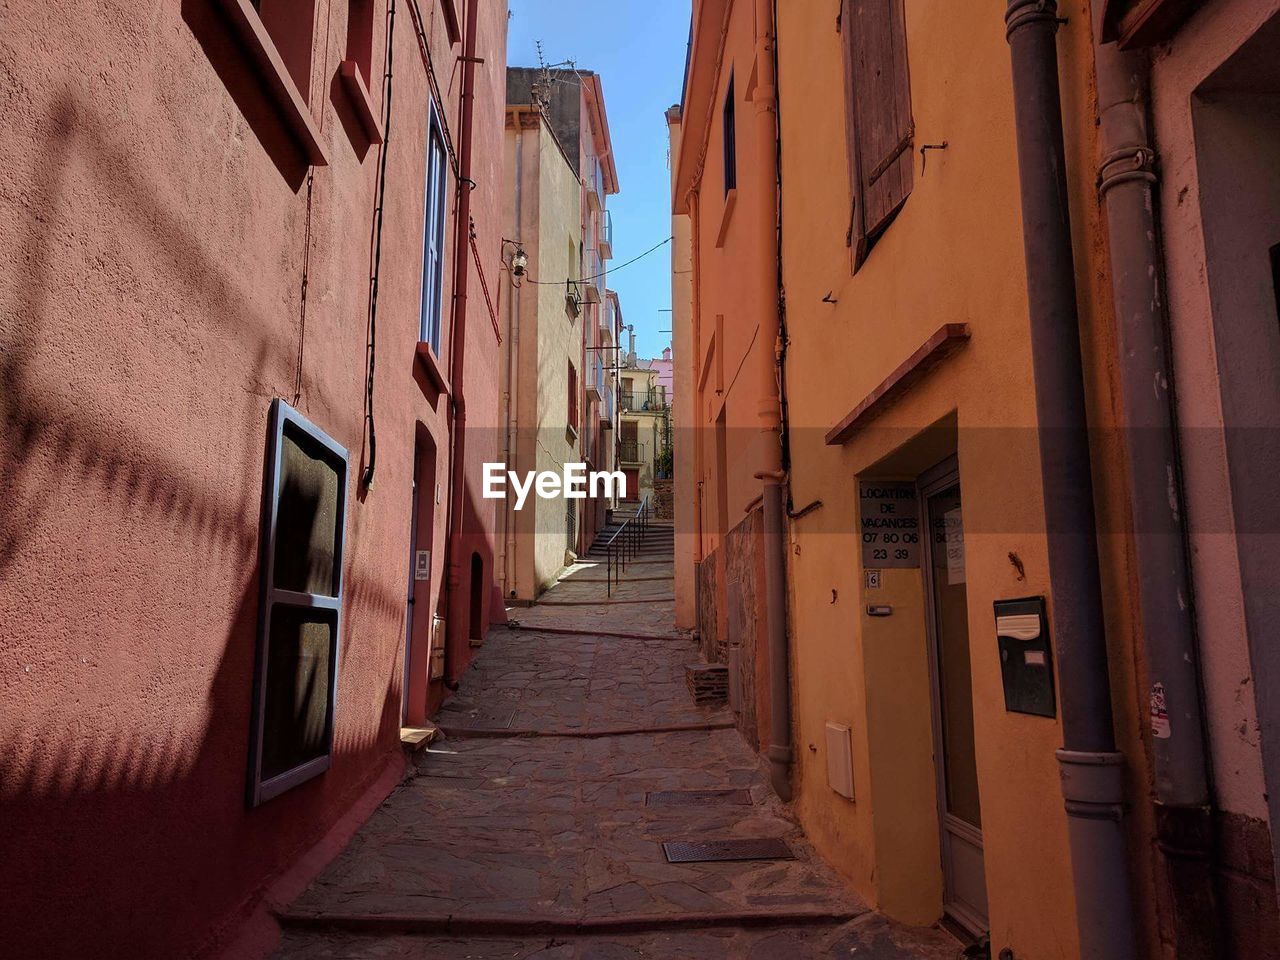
(678, 480)
(534, 827)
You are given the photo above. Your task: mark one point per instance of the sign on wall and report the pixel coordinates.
(890, 522)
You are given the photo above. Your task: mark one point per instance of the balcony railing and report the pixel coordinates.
(595, 379)
(598, 275)
(636, 401)
(573, 297)
(595, 185)
(631, 451)
(606, 236)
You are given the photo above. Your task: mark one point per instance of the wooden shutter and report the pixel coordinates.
(878, 111)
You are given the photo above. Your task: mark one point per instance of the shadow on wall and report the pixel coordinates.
(238, 75)
(132, 840)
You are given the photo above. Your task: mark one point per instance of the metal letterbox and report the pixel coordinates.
(1026, 659)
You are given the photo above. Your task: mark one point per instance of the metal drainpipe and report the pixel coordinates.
(1091, 768)
(458, 344)
(770, 408)
(696, 310)
(509, 565)
(1126, 183)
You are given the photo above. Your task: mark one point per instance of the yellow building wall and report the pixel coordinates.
(684, 409)
(954, 255)
(548, 340)
(732, 266)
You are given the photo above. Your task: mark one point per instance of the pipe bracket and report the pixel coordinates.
(1124, 165)
(1024, 13)
(1092, 783)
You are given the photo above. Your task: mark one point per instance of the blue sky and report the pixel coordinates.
(638, 49)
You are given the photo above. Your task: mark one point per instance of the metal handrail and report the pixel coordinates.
(624, 545)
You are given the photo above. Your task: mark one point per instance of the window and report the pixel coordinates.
(573, 397)
(295, 674)
(878, 112)
(433, 236)
(730, 141)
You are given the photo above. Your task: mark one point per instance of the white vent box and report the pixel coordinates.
(839, 759)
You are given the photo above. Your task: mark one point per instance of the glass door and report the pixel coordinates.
(964, 874)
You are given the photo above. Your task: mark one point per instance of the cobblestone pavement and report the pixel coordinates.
(583, 581)
(527, 833)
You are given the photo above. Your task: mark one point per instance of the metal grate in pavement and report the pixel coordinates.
(499, 720)
(698, 798)
(687, 851)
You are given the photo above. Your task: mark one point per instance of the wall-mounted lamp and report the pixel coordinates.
(519, 262)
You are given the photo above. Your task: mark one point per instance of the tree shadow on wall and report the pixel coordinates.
(125, 829)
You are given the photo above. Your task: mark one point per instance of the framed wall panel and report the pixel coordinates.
(304, 508)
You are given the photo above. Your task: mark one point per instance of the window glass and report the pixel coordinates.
(433, 238)
(295, 668)
(295, 727)
(307, 518)
(730, 141)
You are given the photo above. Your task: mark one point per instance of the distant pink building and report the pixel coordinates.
(666, 373)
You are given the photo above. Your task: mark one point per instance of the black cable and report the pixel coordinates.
(556, 283)
(367, 479)
(306, 274)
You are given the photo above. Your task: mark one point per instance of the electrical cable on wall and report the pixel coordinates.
(367, 478)
(306, 276)
(424, 50)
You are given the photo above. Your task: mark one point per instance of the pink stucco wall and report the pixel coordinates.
(159, 223)
(1206, 41)
(666, 373)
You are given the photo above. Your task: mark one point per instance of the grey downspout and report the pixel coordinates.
(1091, 768)
(773, 540)
(775, 595)
(1126, 184)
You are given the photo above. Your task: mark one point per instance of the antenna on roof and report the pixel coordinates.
(540, 89)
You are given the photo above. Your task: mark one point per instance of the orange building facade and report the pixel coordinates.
(933, 499)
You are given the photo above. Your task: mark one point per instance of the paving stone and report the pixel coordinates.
(520, 826)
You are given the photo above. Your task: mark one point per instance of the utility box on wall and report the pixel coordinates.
(1026, 659)
(839, 759)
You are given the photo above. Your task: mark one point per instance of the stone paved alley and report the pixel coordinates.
(525, 832)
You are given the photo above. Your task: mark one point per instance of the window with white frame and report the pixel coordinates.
(295, 673)
(433, 235)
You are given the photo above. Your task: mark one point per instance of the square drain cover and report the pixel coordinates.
(500, 720)
(698, 798)
(687, 851)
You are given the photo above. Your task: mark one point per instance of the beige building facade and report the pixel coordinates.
(559, 170)
(644, 427)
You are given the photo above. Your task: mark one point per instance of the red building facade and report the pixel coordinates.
(246, 331)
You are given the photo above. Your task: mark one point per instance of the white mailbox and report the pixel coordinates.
(839, 759)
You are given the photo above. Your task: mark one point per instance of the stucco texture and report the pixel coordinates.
(549, 339)
(162, 234)
(953, 255)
